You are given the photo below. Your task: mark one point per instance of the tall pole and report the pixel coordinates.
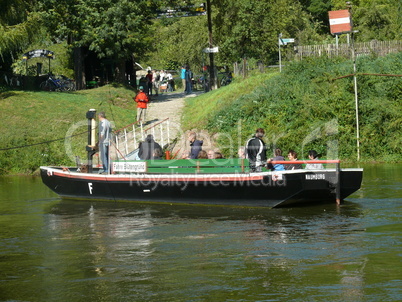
(280, 59)
(212, 76)
(355, 83)
(91, 114)
(356, 100)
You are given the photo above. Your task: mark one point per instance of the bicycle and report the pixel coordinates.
(227, 79)
(54, 84)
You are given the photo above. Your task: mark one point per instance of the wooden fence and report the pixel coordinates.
(380, 48)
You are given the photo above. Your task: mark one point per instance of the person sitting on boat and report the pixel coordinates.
(292, 155)
(241, 152)
(142, 101)
(196, 145)
(256, 151)
(313, 155)
(148, 147)
(202, 154)
(218, 155)
(278, 157)
(211, 154)
(105, 130)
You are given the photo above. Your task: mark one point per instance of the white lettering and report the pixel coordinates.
(315, 176)
(90, 187)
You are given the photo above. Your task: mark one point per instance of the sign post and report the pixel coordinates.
(283, 42)
(340, 22)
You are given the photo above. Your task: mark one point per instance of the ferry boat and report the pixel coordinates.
(205, 181)
(228, 182)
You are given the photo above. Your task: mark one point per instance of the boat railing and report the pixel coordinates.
(127, 138)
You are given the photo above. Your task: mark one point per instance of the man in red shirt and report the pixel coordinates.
(142, 100)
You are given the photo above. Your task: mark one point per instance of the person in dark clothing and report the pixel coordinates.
(292, 155)
(278, 156)
(256, 151)
(149, 148)
(196, 145)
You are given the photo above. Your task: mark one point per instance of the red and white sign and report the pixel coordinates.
(339, 21)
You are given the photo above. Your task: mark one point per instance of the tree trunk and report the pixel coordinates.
(79, 70)
(120, 71)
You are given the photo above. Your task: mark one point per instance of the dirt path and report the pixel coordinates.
(170, 105)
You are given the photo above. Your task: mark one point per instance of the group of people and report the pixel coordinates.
(196, 151)
(256, 152)
(155, 79)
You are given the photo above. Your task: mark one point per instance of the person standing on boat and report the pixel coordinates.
(256, 151)
(196, 145)
(142, 100)
(147, 149)
(105, 130)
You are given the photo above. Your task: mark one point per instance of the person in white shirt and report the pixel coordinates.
(170, 82)
(312, 155)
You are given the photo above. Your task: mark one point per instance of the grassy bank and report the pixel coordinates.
(30, 118)
(304, 107)
(307, 107)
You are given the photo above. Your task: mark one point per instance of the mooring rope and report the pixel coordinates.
(41, 143)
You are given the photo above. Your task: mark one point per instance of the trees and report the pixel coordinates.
(111, 29)
(19, 26)
(242, 28)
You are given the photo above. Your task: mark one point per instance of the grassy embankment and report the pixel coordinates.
(302, 108)
(32, 117)
(305, 108)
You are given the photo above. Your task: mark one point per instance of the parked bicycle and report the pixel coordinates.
(58, 84)
(226, 79)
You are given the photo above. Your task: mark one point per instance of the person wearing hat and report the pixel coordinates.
(142, 100)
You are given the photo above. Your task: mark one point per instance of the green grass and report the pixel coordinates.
(301, 108)
(304, 108)
(30, 118)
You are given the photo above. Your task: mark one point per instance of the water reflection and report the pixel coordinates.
(63, 250)
(144, 242)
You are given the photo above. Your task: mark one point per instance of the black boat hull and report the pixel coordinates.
(266, 189)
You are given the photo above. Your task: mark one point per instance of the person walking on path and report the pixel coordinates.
(155, 81)
(189, 79)
(142, 100)
(105, 130)
(183, 78)
(149, 77)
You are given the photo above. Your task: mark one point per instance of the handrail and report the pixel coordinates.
(329, 161)
(129, 125)
(153, 126)
(118, 130)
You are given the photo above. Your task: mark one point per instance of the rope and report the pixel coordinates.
(46, 142)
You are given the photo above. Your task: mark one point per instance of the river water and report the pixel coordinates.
(60, 250)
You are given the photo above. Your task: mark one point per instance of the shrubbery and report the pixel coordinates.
(307, 107)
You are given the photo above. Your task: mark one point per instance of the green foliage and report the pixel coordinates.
(305, 108)
(113, 29)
